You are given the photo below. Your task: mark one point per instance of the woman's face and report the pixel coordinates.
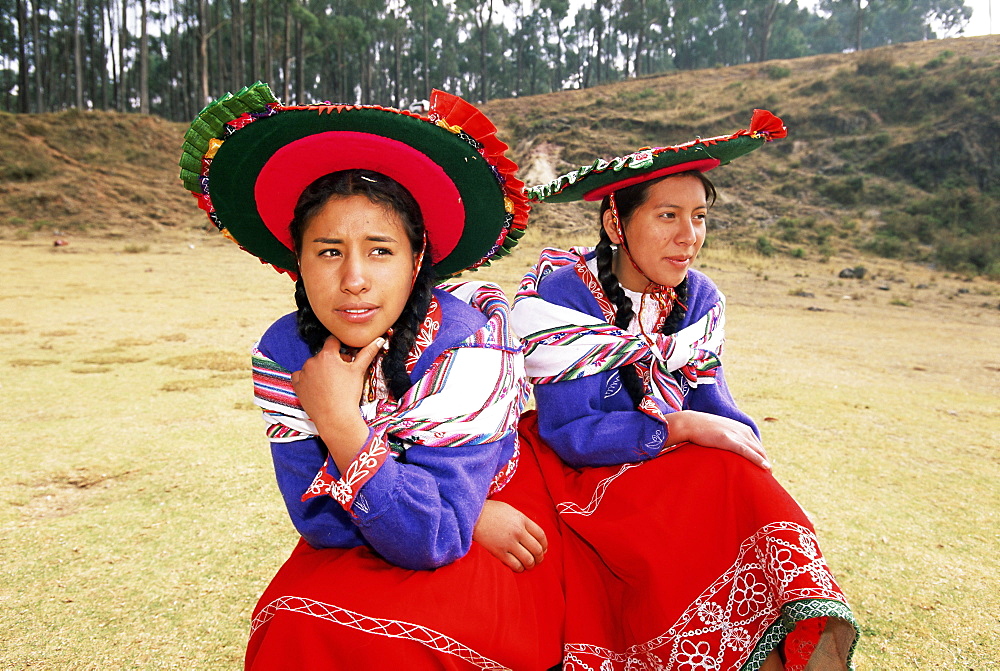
(665, 233)
(357, 266)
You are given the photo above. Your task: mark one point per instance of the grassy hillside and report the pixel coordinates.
(95, 173)
(891, 152)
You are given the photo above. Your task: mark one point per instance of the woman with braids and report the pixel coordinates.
(391, 403)
(681, 550)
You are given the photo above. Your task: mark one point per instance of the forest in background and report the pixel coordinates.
(169, 57)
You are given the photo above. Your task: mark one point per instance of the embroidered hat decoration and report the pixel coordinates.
(594, 181)
(247, 158)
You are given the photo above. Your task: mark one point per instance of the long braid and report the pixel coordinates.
(404, 331)
(673, 321)
(623, 311)
(309, 326)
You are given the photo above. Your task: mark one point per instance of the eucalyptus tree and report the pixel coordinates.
(860, 24)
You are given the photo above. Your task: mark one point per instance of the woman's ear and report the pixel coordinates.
(608, 222)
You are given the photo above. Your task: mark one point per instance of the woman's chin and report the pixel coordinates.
(356, 341)
(670, 279)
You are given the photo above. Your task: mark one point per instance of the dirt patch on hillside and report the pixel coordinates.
(93, 173)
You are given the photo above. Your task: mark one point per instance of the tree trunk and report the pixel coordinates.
(22, 57)
(300, 64)
(396, 94)
(484, 34)
(286, 54)
(426, 84)
(102, 62)
(253, 72)
(122, 37)
(144, 64)
(640, 42)
(237, 46)
(36, 48)
(219, 53)
(203, 36)
(109, 8)
(765, 26)
(77, 56)
(268, 61)
(858, 27)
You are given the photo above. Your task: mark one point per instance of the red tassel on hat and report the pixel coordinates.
(764, 123)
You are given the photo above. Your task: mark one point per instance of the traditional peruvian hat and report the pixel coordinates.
(247, 158)
(594, 181)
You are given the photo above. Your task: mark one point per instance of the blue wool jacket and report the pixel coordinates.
(591, 421)
(419, 510)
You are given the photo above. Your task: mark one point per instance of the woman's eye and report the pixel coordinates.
(382, 251)
(329, 252)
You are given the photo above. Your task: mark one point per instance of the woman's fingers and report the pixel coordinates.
(512, 562)
(365, 357)
(751, 449)
(536, 542)
(524, 558)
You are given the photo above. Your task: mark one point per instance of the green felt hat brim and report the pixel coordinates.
(602, 177)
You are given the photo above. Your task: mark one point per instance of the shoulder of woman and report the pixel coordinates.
(566, 288)
(563, 286)
(459, 321)
(703, 295)
(457, 316)
(282, 343)
(701, 287)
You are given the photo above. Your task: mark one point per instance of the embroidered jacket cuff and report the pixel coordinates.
(656, 439)
(362, 468)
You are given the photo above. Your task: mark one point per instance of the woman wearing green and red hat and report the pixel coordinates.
(676, 556)
(391, 403)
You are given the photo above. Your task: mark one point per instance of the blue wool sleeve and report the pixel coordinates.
(417, 511)
(716, 399)
(421, 514)
(591, 421)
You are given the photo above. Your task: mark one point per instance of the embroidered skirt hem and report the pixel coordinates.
(694, 560)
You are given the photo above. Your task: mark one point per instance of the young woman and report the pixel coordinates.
(391, 403)
(681, 550)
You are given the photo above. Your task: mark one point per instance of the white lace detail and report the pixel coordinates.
(376, 626)
(570, 508)
(730, 615)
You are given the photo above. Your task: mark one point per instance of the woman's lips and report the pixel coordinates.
(357, 314)
(680, 261)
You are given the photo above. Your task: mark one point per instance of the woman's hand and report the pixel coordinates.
(510, 536)
(710, 430)
(329, 386)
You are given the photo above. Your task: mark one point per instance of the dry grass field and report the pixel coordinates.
(139, 519)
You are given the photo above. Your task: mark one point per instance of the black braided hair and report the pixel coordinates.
(385, 191)
(627, 200)
(623, 311)
(404, 331)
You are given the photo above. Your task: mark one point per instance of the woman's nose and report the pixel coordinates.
(354, 279)
(685, 234)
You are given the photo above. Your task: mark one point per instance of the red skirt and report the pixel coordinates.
(350, 609)
(695, 560)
